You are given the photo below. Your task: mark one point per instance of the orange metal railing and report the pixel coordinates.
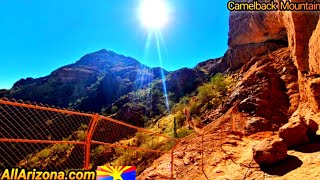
(43, 137)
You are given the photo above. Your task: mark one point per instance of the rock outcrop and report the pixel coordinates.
(298, 131)
(314, 50)
(269, 31)
(253, 34)
(303, 32)
(300, 29)
(255, 27)
(239, 55)
(267, 93)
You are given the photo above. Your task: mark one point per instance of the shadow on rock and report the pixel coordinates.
(289, 164)
(308, 148)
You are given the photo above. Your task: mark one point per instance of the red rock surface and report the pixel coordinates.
(270, 151)
(255, 27)
(294, 133)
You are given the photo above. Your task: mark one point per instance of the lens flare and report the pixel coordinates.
(162, 74)
(158, 39)
(154, 14)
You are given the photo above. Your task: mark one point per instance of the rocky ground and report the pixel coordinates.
(233, 160)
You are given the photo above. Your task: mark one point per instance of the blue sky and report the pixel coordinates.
(39, 36)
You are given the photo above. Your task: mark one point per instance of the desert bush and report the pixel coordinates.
(214, 90)
(44, 153)
(193, 107)
(114, 109)
(180, 118)
(184, 131)
(183, 103)
(141, 159)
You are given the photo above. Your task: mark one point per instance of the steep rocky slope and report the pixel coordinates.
(148, 103)
(273, 89)
(102, 78)
(3, 92)
(93, 82)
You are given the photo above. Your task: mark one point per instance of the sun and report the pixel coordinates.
(154, 14)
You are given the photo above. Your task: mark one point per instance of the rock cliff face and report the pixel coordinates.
(253, 34)
(255, 27)
(303, 33)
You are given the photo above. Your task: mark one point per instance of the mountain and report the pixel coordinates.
(140, 106)
(114, 84)
(3, 92)
(93, 82)
(106, 82)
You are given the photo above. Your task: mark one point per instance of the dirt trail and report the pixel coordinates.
(233, 160)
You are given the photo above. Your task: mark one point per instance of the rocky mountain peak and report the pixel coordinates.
(98, 78)
(105, 59)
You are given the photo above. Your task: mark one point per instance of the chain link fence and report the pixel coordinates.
(49, 138)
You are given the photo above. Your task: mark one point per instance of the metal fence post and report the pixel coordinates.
(172, 158)
(172, 162)
(92, 127)
(202, 154)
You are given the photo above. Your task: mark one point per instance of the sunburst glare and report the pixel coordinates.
(154, 14)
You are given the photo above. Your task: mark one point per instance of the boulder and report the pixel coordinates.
(270, 151)
(312, 128)
(294, 133)
(258, 124)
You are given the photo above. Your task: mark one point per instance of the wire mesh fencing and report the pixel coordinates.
(49, 138)
(221, 141)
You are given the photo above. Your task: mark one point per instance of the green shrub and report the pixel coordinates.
(183, 132)
(34, 160)
(180, 118)
(60, 148)
(98, 150)
(80, 135)
(44, 153)
(83, 127)
(215, 89)
(114, 109)
(193, 107)
(221, 83)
